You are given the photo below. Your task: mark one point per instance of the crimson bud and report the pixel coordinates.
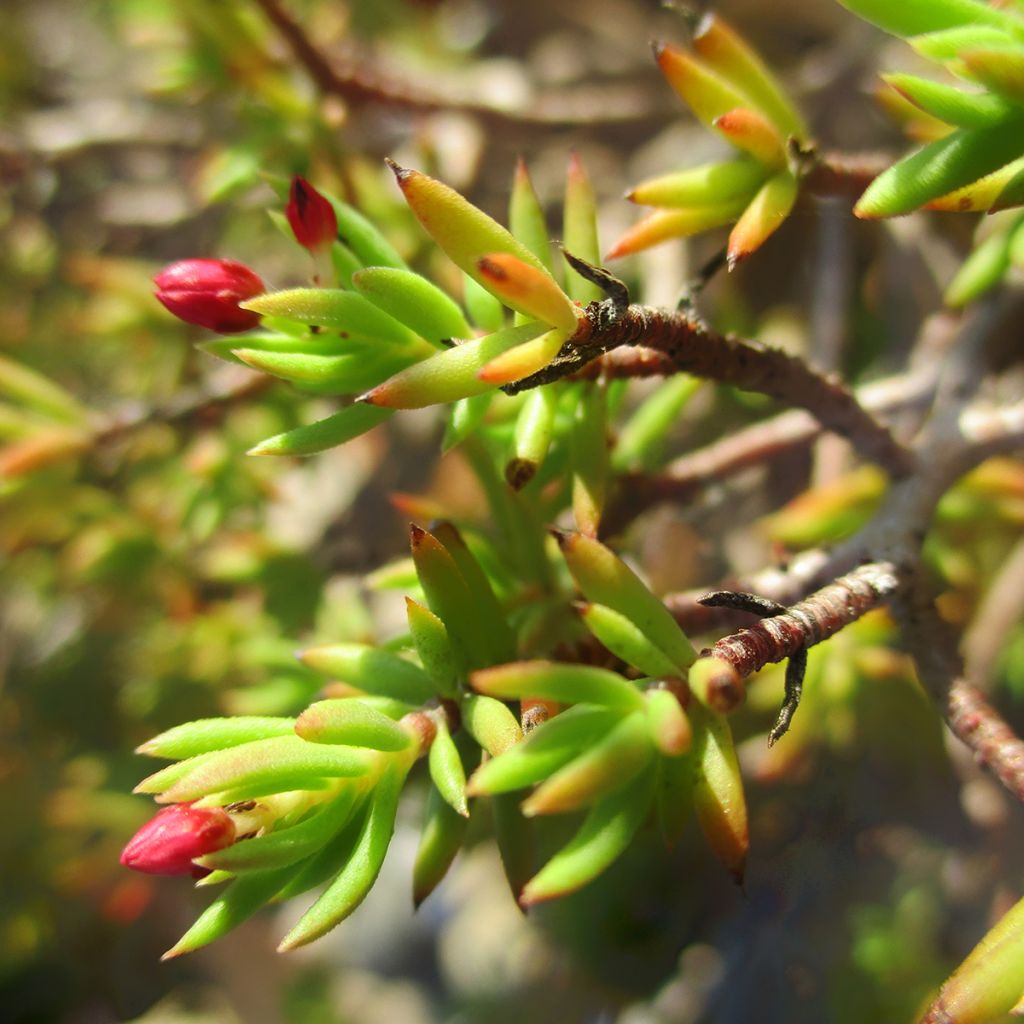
(311, 215)
(168, 843)
(207, 293)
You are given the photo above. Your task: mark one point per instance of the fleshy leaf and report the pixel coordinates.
(949, 104)
(604, 767)
(289, 845)
(372, 669)
(316, 437)
(723, 49)
(940, 167)
(353, 723)
(546, 749)
(662, 225)
(525, 359)
(208, 734)
(765, 214)
(706, 92)
(333, 307)
(579, 230)
(528, 290)
(553, 680)
(606, 832)
(755, 134)
(465, 233)
(273, 765)
(451, 374)
(912, 17)
(526, 217)
(351, 885)
(718, 796)
(606, 579)
(446, 769)
(413, 300)
(703, 185)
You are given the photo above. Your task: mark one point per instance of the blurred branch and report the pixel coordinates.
(359, 82)
(844, 175)
(1002, 608)
(932, 643)
(55, 444)
(690, 474)
(234, 385)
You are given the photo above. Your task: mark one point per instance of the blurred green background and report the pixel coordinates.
(159, 575)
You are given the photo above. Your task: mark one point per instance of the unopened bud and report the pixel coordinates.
(311, 216)
(168, 843)
(208, 293)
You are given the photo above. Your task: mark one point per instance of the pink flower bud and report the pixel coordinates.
(311, 215)
(207, 293)
(168, 843)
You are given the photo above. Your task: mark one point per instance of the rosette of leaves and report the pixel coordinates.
(971, 125)
(392, 339)
(729, 88)
(312, 800)
(978, 161)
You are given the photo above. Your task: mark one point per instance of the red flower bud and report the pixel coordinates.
(311, 215)
(207, 293)
(168, 843)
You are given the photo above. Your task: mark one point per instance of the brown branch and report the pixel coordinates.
(994, 744)
(844, 174)
(690, 346)
(808, 622)
(359, 82)
(690, 474)
(932, 643)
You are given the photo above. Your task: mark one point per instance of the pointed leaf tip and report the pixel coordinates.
(400, 173)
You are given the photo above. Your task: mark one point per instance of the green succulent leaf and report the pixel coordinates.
(330, 432)
(942, 166)
(236, 904)
(355, 879)
(441, 838)
(413, 300)
(351, 722)
(209, 734)
(547, 748)
(606, 832)
(273, 765)
(558, 681)
(604, 767)
(912, 17)
(446, 770)
(372, 669)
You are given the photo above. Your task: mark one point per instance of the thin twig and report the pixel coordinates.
(796, 666)
(810, 621)
(690, 474)
(932, 644)
(235, 385)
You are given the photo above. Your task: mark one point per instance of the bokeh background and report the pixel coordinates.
(158, 574)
